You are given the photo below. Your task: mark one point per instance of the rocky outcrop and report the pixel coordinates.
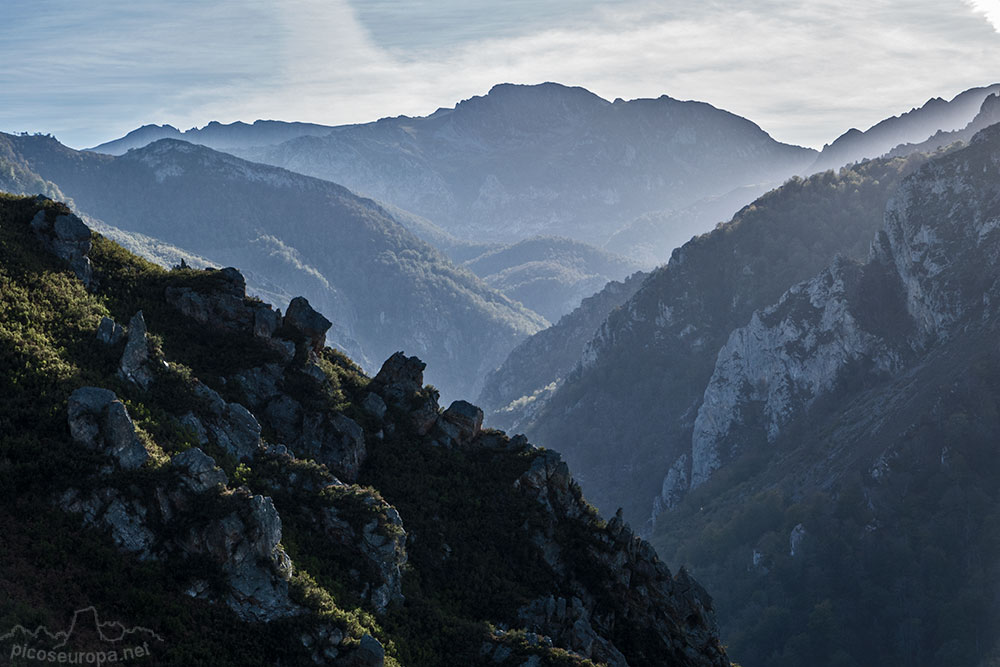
(99, 421)
(462, 421)
(245, 545)
(311, 325)
(399, 378)
(66, 236)
(134, 364)
(225, 305)
(784, 359)
(380, 543)
(642, 378)
(231, 425)
(170, 520)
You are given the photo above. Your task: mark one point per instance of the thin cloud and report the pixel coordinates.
(988, 8)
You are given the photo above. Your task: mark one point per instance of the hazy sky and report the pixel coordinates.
(91, 70)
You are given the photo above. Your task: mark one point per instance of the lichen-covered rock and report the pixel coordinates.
(98, 420)
(301, 317)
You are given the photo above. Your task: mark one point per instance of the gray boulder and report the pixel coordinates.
(369, 654)
(233, 427)
(374, 405)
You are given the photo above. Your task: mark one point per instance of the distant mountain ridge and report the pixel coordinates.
(527, 160)
(214, 135)
(912, 127)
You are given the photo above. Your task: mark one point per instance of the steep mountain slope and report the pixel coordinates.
(215, 135)
(856, 420)
(381, 286)
(549, 275)
(625, 415)
(214, 483)
(539, 363)
(542, 160)
(911, 127)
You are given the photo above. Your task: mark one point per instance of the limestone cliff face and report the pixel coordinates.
(641, 378)
(787, 356)
(926, 278)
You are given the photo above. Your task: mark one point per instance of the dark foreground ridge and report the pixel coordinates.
(215, 474)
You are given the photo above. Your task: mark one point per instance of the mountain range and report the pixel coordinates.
(523, 161)
(796, 398)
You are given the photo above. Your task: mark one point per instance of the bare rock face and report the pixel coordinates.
(69, 238)
(335, 440)
(301, 317)
(124, 518)
(98, 420)
(134, 365)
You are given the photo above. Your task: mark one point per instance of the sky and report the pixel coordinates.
(91, 71)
